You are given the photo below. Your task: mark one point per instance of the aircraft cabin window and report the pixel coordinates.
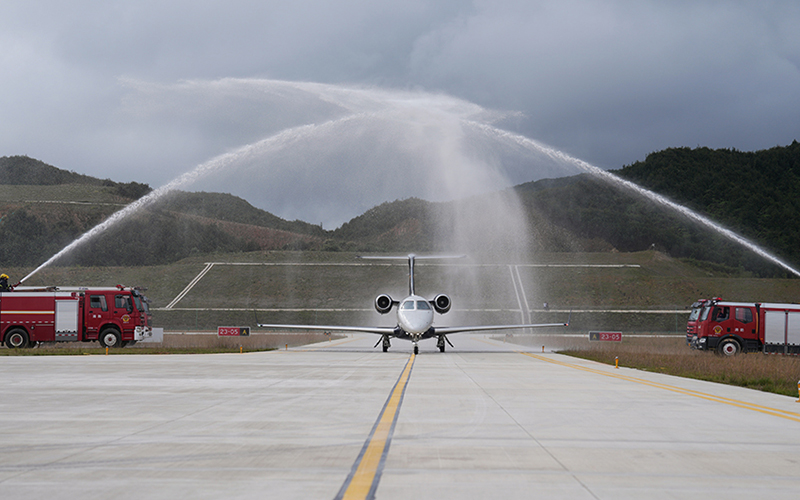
(421, 304)
(408, 305)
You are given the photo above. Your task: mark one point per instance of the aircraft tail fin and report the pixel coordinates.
(411, 259)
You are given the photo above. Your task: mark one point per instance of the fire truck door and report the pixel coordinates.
(66, 320)
(122, 310)
(96, 315)
(743, 322)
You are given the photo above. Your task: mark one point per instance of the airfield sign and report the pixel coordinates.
(606, 336)
(233, 331)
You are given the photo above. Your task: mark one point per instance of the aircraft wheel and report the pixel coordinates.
(441, 348)
(416, 349)
(385, 347)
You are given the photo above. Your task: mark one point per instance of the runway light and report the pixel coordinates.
(106, 350)
(798, 391)
(240, 349)
(616, 362)
(542, 348)
(287, 347)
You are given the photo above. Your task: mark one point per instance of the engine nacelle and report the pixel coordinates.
(383, 303)
(441, 303)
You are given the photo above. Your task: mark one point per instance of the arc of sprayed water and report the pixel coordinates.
(530, 144)
(274, 143)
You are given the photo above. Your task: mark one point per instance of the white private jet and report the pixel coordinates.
(414, 316)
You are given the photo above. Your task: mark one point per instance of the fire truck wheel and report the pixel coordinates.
(109, 338)
(729, 347)
(17, 339)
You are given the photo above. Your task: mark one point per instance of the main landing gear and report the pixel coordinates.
(442, 340)
(386, 343)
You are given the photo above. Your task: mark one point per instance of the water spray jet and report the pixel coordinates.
(532, 145)
(275, 142)
(417, 113)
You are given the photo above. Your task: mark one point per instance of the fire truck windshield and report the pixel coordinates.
(141, 305)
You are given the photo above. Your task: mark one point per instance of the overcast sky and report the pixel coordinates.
(148, 90)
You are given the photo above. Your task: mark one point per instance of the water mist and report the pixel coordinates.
(366, 146)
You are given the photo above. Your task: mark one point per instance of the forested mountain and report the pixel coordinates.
(755, 194)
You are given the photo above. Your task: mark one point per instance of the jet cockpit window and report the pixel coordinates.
(421, 304)
(408, 305)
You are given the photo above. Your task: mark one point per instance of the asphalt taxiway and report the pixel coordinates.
(344, 420)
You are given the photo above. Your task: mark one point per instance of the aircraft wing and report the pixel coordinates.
(380, 330)
(446, 330)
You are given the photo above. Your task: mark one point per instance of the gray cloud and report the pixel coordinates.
(144, 90)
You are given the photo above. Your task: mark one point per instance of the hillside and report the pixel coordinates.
(755, 194)
(43, 208)
(22, 170)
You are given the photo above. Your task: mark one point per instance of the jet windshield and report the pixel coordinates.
(420, 305)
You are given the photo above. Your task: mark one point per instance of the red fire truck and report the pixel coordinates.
(114, 316)
(733, 327)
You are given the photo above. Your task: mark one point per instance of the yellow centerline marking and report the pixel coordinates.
(363, 481)
(789, 415)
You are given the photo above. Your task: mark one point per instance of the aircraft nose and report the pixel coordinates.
(417, 322)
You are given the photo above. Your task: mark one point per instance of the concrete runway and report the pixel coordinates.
(483, 420)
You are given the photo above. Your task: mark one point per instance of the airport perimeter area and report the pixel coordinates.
(482, 420)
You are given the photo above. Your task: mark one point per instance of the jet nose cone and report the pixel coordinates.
(416, 322)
